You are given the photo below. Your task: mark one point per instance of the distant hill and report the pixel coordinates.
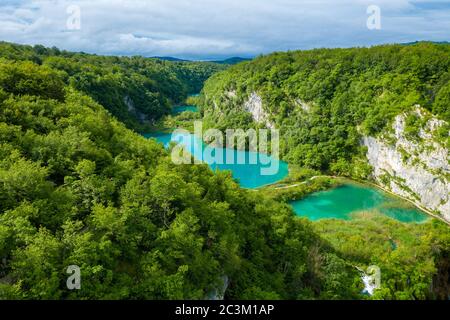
(171, 59)
(233, 60)
(417, 42)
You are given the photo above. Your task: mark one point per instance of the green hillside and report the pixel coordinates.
(324, 100)
(79, 187)
(136, 90)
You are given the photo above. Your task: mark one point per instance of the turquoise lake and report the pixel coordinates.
(181, 109)
(248, 175)
(344, 201)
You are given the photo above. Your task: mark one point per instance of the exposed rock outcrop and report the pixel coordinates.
(254, 105)
(303, 105)
(231, 94)
(219, 293)
(415, 169)
(132, 109)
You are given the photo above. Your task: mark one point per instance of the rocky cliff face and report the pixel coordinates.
(255, 107)
(252, 104)
(417, 169)
(132, 110)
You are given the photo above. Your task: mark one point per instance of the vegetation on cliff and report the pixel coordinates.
(79, 188)
(323, 100)
(136, 90)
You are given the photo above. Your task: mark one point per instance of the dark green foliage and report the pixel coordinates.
(78, 188)
(323, 100)
(405, 253)
(136, 90)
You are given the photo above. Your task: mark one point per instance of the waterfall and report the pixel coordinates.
(370, 279)
(219, 293)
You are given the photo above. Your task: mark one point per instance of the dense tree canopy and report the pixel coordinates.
(78, 188)
(413, 258)
(323, 100)
(136, 90)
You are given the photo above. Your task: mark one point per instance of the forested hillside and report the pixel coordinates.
(78, 188)
(324, 100)
(379, 113)
(136, 90)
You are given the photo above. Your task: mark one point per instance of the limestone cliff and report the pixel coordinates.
(414, 167)
(141, 117)
(417, 169)
(254, 105)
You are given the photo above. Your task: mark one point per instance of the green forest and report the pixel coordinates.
(323, 100)
(136, 90)
(80, 186)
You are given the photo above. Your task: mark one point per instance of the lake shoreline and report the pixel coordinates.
(349, 197)
(248, 175)
(273, 185)
(428, 212)
(339, 181)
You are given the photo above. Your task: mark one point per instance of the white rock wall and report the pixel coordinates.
(421, 177)
(255, 107)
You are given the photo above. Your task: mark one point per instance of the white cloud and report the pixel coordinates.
(218, 28)
(183, 45)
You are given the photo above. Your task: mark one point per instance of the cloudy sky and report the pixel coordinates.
(212, 29)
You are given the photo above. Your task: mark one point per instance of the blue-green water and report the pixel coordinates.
(181, 109)
(249, 175)
(344, 201)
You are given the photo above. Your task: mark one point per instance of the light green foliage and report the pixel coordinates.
(78, 188)
(348, 92)
(136, 90)
(442, 100)
(413, 258)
